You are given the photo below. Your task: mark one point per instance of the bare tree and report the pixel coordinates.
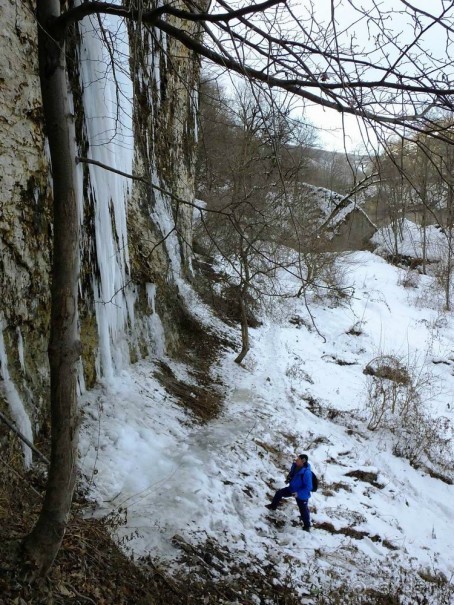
(393, 189)
(45, 539)
(392, 84)
(416, 181)
(242, 162)
(257, 162)
(442, 173)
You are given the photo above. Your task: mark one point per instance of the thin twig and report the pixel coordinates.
(142, 179)
(24, 439)
(81, 596)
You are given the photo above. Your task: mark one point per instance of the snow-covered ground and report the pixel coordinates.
(300, 390)
(409, 238)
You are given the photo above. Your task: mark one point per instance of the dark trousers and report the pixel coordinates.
(304, 512)
(285, 492)
(281, 493)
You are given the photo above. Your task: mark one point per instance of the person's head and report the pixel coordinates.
(301, 460)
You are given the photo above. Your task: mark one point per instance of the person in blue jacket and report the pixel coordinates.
(300, 486)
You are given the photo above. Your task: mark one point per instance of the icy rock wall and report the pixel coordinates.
(25, 217)
(135, 237)
(165, 131)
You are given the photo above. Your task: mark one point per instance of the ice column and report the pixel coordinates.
(15, 403)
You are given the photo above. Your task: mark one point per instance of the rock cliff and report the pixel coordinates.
(135, 104)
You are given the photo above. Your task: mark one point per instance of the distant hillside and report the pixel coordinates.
(334, 170)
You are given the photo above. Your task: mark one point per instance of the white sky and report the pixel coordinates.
(337, 133)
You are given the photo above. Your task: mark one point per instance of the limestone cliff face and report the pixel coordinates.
(165, 115)
(25, 207)
(135, 234)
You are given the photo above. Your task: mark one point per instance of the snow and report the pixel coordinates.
(410, 240)
(298, 391)
(332, 205)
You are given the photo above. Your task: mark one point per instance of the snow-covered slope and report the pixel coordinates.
(300, 390)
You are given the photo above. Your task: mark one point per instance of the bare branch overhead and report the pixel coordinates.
(395, 76)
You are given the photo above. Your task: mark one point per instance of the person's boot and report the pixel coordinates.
(308, 529)
(270, 507)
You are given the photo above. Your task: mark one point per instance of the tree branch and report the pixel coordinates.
(294, 86)
(146, 181)
(151, 16)
(289, 58)
(24, 439)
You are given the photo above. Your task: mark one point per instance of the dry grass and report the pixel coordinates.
(388, 367)
(205, 402)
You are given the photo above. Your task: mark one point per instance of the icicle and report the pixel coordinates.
(194, 107)
(109, 129)
(15, 403)
(163, 217)
(157, 334)
(80, 378)
(20, 348)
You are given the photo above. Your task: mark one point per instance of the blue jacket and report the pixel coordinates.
(301, 481)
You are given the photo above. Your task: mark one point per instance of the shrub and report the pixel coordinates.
(409, 278)
(397, 396)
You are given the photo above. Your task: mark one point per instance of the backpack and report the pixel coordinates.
(314, 482)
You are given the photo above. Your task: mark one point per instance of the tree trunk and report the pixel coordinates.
(424, 199)
(244, 288)
(244, 331)
(42, 544)
(449, 259)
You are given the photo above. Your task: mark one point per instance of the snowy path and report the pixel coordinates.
(198, 481)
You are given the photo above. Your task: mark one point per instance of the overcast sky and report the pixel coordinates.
(349, 133)
(376, 31)
(334, 131)
(337, 133)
